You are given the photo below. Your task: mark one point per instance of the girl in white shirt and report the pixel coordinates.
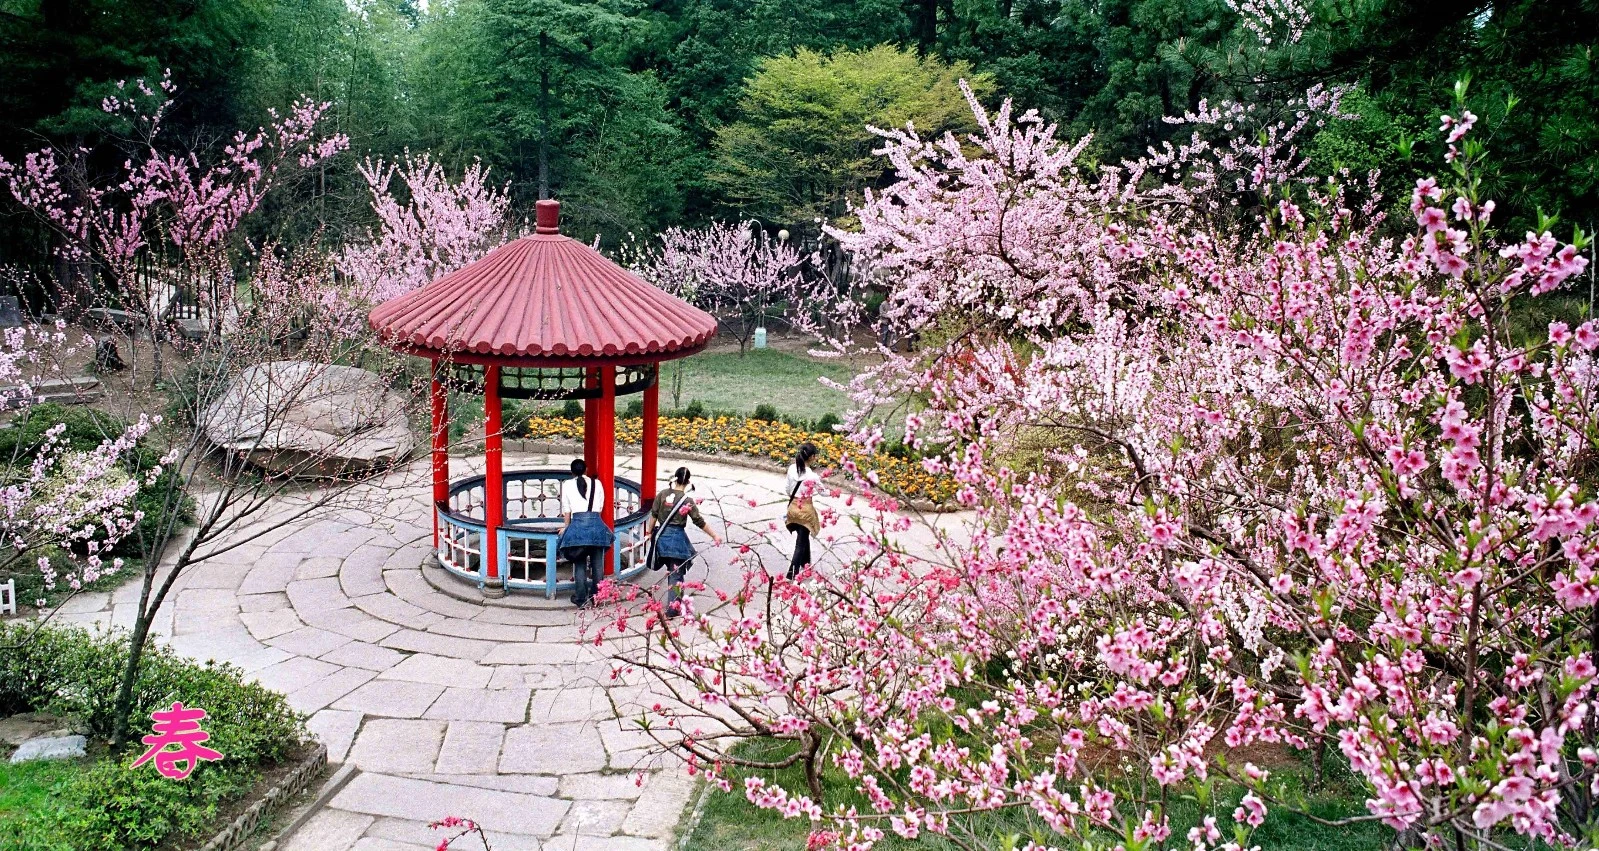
(584, 535)
(802, 519)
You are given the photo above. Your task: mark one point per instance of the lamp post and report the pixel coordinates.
(760, 330)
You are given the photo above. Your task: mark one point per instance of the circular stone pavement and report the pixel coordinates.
(448, 707)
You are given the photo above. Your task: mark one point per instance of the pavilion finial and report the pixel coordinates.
(548, 217)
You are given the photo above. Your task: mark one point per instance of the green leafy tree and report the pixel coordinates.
(801, 149)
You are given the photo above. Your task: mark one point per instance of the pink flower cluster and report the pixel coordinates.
(1302, 488)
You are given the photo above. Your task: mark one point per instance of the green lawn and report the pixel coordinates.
(28, 787)
(726, 381)
(731, 823)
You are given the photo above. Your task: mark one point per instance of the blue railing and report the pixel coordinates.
(526, 540)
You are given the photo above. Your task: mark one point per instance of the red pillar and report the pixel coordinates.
(650, 439)
(494, 480)
(441, 453)
(591, 422)
(603, 466)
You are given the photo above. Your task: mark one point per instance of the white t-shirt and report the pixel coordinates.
(573, 502)
(794, 477)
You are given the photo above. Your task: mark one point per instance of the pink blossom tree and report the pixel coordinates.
(53, 497)
(740, 275)
(164, 207)
(436, 226)
(1305, 490)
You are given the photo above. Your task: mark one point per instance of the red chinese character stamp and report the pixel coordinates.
(177, 727)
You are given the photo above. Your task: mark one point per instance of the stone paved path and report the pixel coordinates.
(492, 713)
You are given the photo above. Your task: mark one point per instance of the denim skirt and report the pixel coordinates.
(587, 529)
(673, 544)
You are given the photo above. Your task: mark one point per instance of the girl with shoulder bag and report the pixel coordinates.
(667, 528)
(584, 535)
(802, 520)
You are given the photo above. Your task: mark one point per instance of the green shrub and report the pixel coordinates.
(572, 410)
(73, 673)
(634, 408)
(765, 412)
(86, 429)
(827, 423)
(695, 410)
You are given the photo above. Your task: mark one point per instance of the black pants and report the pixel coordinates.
(588, 567)
(802, 550)
(676, 571)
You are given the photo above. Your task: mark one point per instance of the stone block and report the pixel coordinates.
(53, 747)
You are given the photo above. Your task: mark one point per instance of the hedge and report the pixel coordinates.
(72, 673)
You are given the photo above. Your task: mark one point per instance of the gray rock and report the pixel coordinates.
(10, 312)
(62, 747)
(20, 728)
(311, 420)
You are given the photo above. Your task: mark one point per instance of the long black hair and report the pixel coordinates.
(579, 468)
(807, 451)
(681, 476)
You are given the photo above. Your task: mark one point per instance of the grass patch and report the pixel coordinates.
(724, 381)
(732, 823)
(31, 787)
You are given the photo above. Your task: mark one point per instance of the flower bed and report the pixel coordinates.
(763, 439)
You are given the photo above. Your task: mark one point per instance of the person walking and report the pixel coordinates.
(667, 529)
(584, 536)
(802, 520)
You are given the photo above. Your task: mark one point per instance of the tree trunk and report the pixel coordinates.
(544, 116)
(130, 672)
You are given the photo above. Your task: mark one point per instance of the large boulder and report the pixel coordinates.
(311, 419)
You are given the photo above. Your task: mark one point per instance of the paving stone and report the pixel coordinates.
(528, 784)
(293, 674)
(360, 576)
(265, 625)
(369, 843)
(213, 575)
(391, 698)
(328, 829)
(190, 622)
(351, 623)
(309, 595)
(195, 600)
(470, 747)
(441, 670)
(272, 574)
(309, 641)
(319, 694)
(509, 812)
(556, 705)
(438, 645)
(335, 728)
(318, 567)
(505, 706)
(660, 808)
(414, 831)
(394, 746)
(221, 645)
(595, 818)
(85, 602)
(524, 676)
(362, 655)
(605, 787)
(526, 617)
(552, 749)
(486, 631)
(531, 654)
(394, 610)
(408, 584)
(263, 602)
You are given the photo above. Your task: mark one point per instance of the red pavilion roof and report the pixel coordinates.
(544, 296)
